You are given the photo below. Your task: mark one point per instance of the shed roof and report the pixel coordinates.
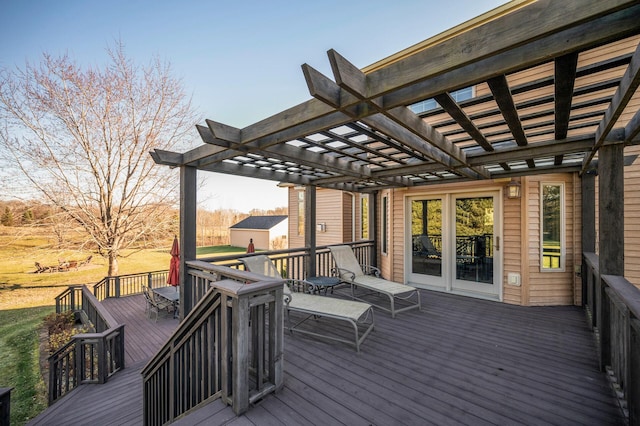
(259, 222)
(559, 79)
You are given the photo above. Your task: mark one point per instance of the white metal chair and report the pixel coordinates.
(298, 297)
(367, 277)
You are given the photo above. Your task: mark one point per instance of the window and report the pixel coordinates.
(552, 226)
(429, 104)
(301, 216)
(385, 224)
(364, 217)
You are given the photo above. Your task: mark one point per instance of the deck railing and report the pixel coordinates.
(5, 406)
(88, 357)
(230, 346)
(128, 285)
(613, 309)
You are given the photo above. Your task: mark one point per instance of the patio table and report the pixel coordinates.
(324, 283)
(172, 294)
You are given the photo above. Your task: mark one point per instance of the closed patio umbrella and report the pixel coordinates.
(174, 266)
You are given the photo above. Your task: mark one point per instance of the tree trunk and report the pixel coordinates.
(113, 264)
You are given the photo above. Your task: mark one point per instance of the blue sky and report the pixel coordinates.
(239, 59)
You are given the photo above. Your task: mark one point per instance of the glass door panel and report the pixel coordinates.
(426, 237)
(475, 245)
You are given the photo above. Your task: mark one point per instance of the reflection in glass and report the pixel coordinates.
(426, 232)
(474, 239)
(551, 226)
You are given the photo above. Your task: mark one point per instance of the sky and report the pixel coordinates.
(240, 60)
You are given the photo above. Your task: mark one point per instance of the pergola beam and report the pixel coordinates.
(453, 109)
(500, 89)
(354, 81)
(460, 74)
(535, 21)
(565, 76)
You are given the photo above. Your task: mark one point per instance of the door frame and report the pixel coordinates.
(445, 283)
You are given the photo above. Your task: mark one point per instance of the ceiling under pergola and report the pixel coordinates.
(553, 82)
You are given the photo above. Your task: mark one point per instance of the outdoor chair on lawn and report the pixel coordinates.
(299, 297)
(350, 271)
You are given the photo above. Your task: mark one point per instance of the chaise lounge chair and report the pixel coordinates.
(298, 297)
(350, 271)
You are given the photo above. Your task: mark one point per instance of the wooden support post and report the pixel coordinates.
(310, 230)
(588, 183)
(188, 200)
(240, 365)
(5, 406)
(373, 228)
(610, 237)
(633, 387)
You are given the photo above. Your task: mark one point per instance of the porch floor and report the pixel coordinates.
(458, 361)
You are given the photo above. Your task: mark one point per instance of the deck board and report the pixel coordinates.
(459, 361)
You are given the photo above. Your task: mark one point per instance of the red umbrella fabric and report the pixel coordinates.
(174, 266)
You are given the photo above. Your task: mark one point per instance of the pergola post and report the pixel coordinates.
(310, 230)
(610, 236)
(188, 200)
(588, 183)
(373, 227)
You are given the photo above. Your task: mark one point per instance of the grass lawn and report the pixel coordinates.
(27, 297)
(19, 363)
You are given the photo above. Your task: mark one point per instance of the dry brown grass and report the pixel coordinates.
(21, 287)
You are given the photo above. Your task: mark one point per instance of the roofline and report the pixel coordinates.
(491, 15)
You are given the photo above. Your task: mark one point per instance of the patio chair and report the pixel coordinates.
(427, 248)
(298, 298)
(155, 303)
(350, 271)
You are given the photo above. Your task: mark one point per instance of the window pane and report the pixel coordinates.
(552, 240)
(301, 217)
(384, 224)
(426, 233)
(364, 217)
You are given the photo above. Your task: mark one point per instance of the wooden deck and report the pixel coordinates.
(458, 361)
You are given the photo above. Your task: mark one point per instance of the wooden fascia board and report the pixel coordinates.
(565, 69)
(532, 22)
(628, 85)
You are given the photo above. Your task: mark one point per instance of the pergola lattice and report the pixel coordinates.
(541, 106)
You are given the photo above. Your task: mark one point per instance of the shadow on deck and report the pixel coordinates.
(458, 361)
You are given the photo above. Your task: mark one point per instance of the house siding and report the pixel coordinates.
(547, 287)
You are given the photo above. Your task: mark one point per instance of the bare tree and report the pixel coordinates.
(82, 136)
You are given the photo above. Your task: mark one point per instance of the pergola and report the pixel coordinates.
(539, 113)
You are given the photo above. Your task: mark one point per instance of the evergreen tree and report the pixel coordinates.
(7, 217)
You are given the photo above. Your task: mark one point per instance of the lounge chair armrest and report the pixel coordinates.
(301, 286)
(370, 270)
(344, 274)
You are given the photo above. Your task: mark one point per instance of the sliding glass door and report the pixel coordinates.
(455, 243)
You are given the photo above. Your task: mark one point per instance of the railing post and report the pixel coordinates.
(5, 406)
(117, 286)
(149, 280)
(633, 389)
(240, 366)
(102, 360)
